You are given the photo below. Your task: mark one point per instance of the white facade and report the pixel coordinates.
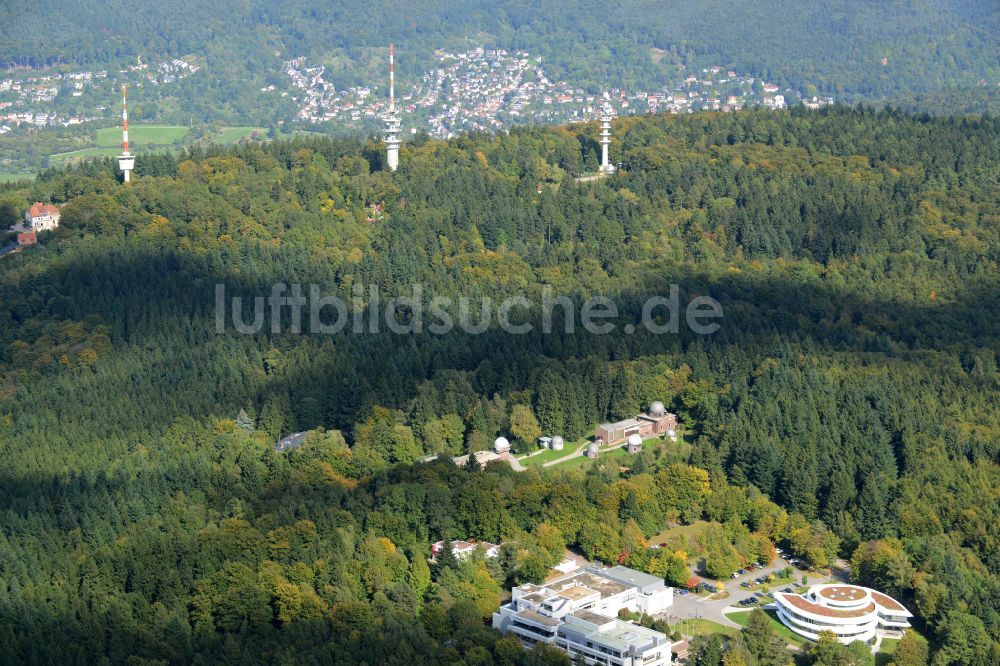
(607, 113)
(463, 549)
(41, 217)
(852, 612)
(392, 119)
(578, 614)
(482, 458)
(126, 163)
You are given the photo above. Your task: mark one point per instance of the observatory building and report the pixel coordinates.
(656, 421)
(634, 443)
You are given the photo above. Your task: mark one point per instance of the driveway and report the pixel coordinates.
(579, 452)
(692, 606)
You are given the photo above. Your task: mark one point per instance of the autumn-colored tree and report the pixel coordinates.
(523, 424)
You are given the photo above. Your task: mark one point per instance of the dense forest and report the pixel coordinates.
(847, 407)
(845, 48)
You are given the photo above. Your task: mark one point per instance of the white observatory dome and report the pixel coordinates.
(501, 444)
(557, 443)
(634, 440)
(657, 409)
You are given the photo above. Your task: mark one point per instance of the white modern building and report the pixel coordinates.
(463, 549)
(578, 614)
(852, 612)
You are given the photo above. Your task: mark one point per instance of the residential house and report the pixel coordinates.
(41, 217)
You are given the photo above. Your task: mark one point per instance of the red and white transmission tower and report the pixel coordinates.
(126, 162)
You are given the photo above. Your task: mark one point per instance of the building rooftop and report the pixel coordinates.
(843, 593)
(633, 577)
(804, 604)
(290, 442)
(889, 603)
(576, 592)
(39, 209)
(605, 586)
(538, 618)
(592, 617)
(618, 425)
(613, 633)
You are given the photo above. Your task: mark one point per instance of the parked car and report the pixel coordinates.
(741, 571)
(787, 589)
(682, 592)
(745, 583)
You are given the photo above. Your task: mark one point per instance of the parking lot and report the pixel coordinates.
(691, 606)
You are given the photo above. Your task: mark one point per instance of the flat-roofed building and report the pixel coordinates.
(463, 549)
(578, 614)
(597, 639)
(615, 433)
(652, 595)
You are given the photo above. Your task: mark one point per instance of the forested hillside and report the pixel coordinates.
(848, 405)
(845, 48)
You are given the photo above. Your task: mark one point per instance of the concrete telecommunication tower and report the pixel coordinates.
(392, 122)
(607, 113)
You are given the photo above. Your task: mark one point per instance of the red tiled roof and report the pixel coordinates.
(38, 209)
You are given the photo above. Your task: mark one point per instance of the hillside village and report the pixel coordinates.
(485, 89)
(475, 90)
(42, 100)
(470, 91)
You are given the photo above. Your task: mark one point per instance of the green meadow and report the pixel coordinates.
(8, 177)
(140, 135)
(146, 138)
(231, 135)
